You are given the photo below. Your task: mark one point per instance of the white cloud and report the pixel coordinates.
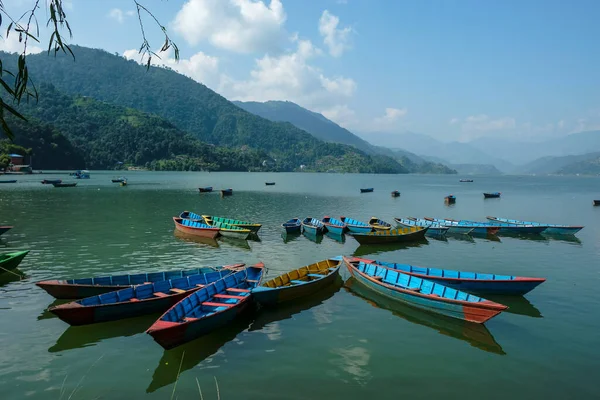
(291, 77)
(341, 114)
(454, 121)
(335, 39)
(484, 123)
(391, 115)
(12, 45)
(200, 66)
(242, 26)
(119, 15)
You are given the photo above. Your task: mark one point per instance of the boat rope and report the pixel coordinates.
(11, 272)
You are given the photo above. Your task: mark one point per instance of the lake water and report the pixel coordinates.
(343, 343)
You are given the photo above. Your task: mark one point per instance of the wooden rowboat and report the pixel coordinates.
(195, 228)
(506, 227)
(232, 231)
(87, 287)
(227, 192)
(367, 190)
(481, 228)
(472, 282)
(300, 282)
(294, 225)
(596, 202)
(395, 193)
(334, 226)
(51, 181)
(207, 189)
(10, 261)
(413, 233)
(270, 183)
(450, 199)
(422, 293)
(9, 181)
(210, 219)
(134, 301)
(4, 229)
(314, 226)
(62, 185)
(551, 229)
(355, 226)
(207, 309)
(466, 180)
(434, 228)
(379, 224)
(494, 195)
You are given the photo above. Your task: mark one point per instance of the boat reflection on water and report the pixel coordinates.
(47, 314)
(485, 236)
(338, 238)
(477, 335)
(253, 237)
(237, 243)
(288, 310)
(313, 237)
(571, 239)
(182, 358)
(290, 237)
(14, 275)
(75, 337)
(516, 305)
(196, 239)
(367, 249)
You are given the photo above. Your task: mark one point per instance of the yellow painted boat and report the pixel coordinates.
(379, 224)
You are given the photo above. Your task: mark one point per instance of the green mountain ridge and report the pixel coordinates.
(193, 108)
(554, 164)
(589, 166)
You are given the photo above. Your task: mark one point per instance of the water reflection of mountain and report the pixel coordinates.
(196, 239)
(477, 335)
(367, 249)
(193, 353)
(288, 310)
(88, 335)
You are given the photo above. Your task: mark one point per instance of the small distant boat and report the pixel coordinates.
(334, 225)
(293, 225)
(422, 293)
(379, 225)
(367, 190)
(597, 202)
(118, 180)
(395, 193)
(493, 195)
(4, 229)
(210, 219)
(551, 229)
(207, 309)
(134, 301)
(51, 181)
(450, 199)
(123, 183)
(355, 226)
(313, 225)
(297, 283)
(81, 174)
(452, 227)
(87, 287)
(270, 183)
(9, 181)
(195, 228)
(466, 180)
(435, 229)
(207, 189)
(467, 281)
(60, 185)
(10, 261)
(392, 236)
(226, 192)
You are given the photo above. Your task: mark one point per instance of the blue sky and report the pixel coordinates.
(454, 70)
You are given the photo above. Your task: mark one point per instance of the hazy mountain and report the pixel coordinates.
(475, 169)
(586, 167)
(551, 164)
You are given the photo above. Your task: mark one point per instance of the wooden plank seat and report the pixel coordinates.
(251, 280)
(176, 290)
(160, 294)
(228, 296)
(212, 304)
(238, 290)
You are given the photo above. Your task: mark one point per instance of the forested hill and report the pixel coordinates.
(193, 108)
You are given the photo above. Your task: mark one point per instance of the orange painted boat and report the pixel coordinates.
(195, 228)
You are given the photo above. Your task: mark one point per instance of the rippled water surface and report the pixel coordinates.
(345, 342)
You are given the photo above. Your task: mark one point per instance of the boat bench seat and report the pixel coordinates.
(160, 294)
(296, 282)
(229, 296)
(251, 280)
(212, 304)
(236, 290)
(176, 290)
(199, 285)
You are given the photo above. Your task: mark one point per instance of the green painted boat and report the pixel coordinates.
(232, 231)
(211, 220)
(10, 261)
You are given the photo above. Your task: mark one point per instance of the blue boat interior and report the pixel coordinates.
(138, 279)
(313, 222)
(191, 215)
(354, 222)
(333, 221)
(220, 296)
(194, 224)
(445, 273)
(292, 223)
(408, 282)
(155, 290)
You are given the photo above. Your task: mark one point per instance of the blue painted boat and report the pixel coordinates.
(452, 228)
(450, 199)
(422, 293)
(207, 309)
(86, 287)
(298, 283)
(134, 301)
(334, 225)
(480, 228)
(313, 225)
(551, 229)
(434, 228)
(293, 225)
(227, 192)
(366, 190)
(206, 189)
(9, 181)
(515, 228)
(472, 282)
(355, 226)
(412, 234)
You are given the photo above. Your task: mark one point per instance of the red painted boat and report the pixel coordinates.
(87, 287)
(208, 308)
(195, 228)
(134, 301)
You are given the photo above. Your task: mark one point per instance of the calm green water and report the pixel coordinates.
(343, 343)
